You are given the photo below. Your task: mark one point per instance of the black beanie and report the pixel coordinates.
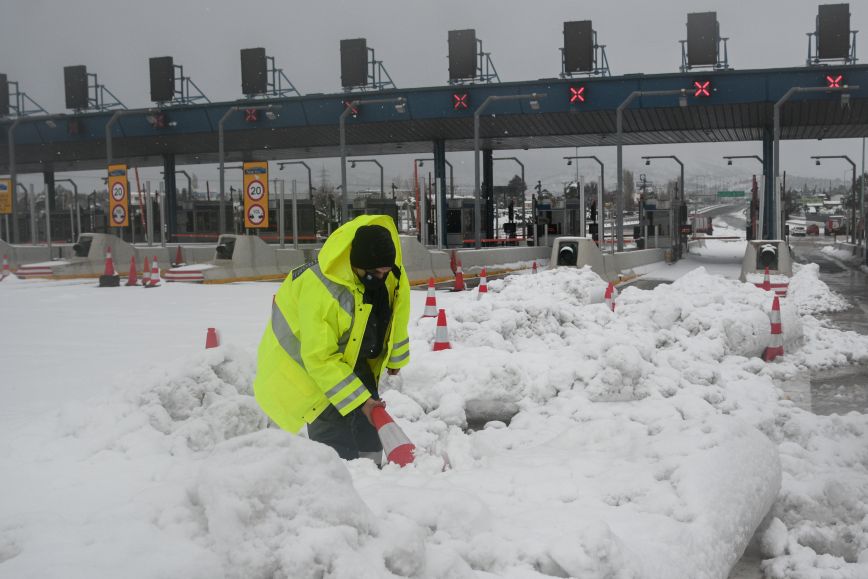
(372, 248)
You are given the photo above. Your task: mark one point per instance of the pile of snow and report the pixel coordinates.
(643, 442)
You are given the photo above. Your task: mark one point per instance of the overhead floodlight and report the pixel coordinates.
(401, 106)
(270, 115)
(729, 161)
(352, 164)
(51, 124)
(817, 161)
(647, 161)
(569, 161)
(682, 100)
(845, 99)
(534, 104)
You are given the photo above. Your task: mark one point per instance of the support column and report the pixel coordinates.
(48, 179)
(50, 194)
(442, 185)
(171, 197)
(488, 193)
(768, 216)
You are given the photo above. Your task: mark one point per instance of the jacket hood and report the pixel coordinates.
(334, 257)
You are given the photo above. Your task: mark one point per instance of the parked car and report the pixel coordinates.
(812, 229)
(797, 228)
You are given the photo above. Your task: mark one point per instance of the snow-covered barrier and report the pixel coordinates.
(582, 251)
(773, 254)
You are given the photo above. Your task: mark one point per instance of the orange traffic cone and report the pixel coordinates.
(109, 278)
(534, 266)
(132, 278)
(776, 346)
(441, 335)
(459, 278)
(610, 296)
(396, 445)
(6, 271)
(211, 339)
(146, 273)
(155, 273)
(483, 284)
(767, 284)
(430, 301)
(179, 258)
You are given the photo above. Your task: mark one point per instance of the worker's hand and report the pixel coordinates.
(392, 371)
(369, 406)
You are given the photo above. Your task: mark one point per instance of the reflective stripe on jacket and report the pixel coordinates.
(311, 344)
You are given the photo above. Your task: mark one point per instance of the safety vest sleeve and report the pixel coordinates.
(399, 356)
(319, 323)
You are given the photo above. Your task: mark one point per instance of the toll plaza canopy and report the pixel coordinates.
(722, 105)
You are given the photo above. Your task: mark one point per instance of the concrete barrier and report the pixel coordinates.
(771, 253)
(611, 267)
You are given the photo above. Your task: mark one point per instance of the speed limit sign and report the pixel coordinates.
(118, 191)
(255, 190)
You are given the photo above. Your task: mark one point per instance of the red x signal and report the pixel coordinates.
(251, 115)
(701, 89)
(355, 110)
(834, 81)
(577, 94)
(460, 101)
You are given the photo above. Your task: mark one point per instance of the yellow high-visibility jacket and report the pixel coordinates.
(310, 347)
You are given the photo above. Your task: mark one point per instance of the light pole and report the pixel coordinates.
(13, 177)
(601, 219)
(221, 152)
(421, 162)
(108, 128)
(189, 182)
(377, 163)
(619, 126)
(310, 188)
(776, 193)
(761, 207)
(674, 236)
(400, 107)
(523, 184)
(852, 227)
(533, 100)
(77, 225)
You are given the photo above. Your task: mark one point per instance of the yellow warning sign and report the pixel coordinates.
(119, 196)
(256, 194)
(5, 196)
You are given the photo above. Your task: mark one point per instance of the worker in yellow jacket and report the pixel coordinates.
(335, 326)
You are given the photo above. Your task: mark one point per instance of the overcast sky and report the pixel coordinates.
(115, 39)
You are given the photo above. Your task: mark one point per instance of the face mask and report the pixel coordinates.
(372, 282)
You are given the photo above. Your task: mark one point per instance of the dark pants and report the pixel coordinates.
(348, 435)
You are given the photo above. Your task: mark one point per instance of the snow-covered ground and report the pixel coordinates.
(642, 443)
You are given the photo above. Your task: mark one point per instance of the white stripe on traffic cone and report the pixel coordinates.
(430, 301)
(441, 335)
(155, 273)
(396, 445)
(610, 296)
(776, 344)
(146, 273)
(483, 284)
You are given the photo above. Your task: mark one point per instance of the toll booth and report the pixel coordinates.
(459, 221)
(199, 219)
(558, 216)
(374, 206)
